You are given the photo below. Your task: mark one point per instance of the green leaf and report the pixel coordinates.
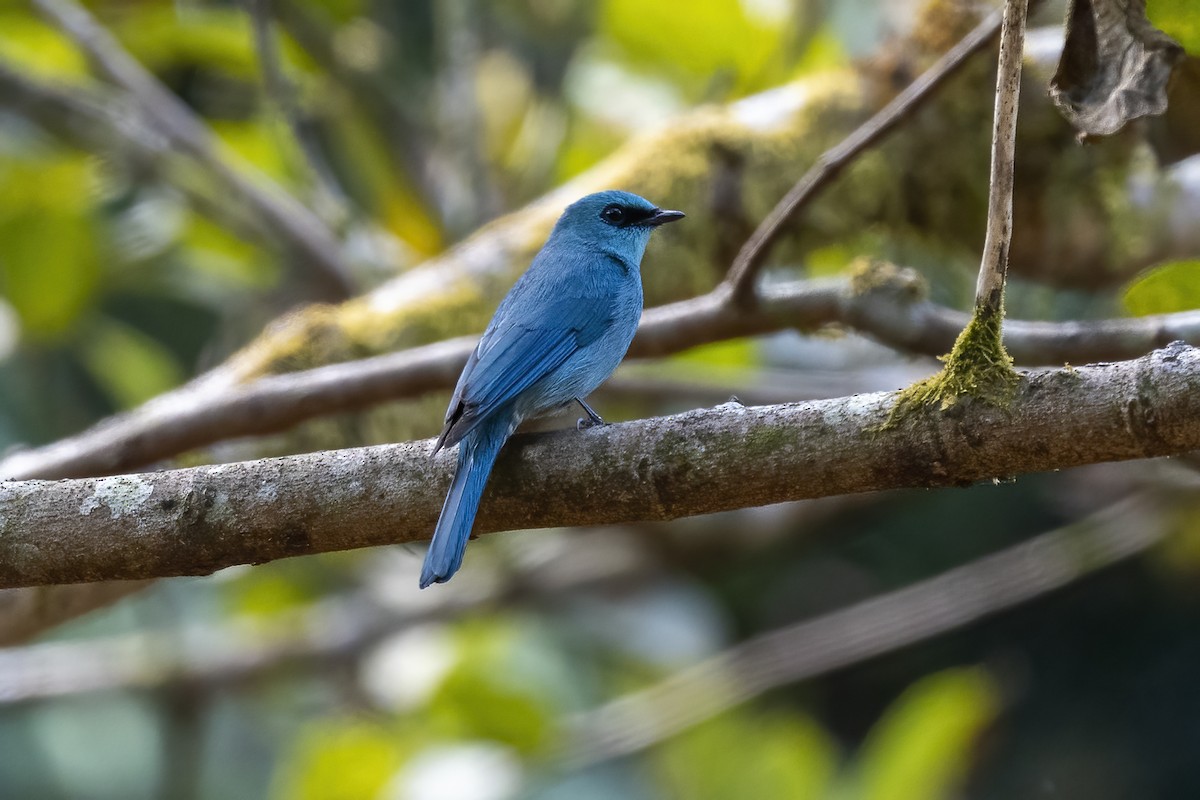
(1165, 289)
(130, 366)
(824, 52)
(254, 141)
(473, 705)
(280, 588)
(742, 755)
(708, 40)
(49, 271)
(1179, 19)
(38, 48)
(160, 38)
(921, 749)
(218, 258)
(739, 353)
(340, 760)
(49, 265)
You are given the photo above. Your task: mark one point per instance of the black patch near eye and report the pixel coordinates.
(613, 214)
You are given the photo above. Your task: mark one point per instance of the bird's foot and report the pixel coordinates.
(592, 420)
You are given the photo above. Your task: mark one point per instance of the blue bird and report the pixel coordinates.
(558, 334)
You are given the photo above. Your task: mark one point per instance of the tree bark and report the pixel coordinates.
(195, 521)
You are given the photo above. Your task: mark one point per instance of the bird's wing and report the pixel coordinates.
(516, 355)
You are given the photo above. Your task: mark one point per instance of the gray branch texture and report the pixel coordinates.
(194, 521)
(893, 310)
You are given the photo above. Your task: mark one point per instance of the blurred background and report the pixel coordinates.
(629, 662)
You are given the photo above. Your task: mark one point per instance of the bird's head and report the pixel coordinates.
(619, 221)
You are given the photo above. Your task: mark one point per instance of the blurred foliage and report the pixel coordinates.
(1165, 289)
(39, 48)
(751, 755)
(121, 276)
(922, 747)
(341, 760)
(1178, 19)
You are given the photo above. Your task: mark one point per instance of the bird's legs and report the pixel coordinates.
(593, 419)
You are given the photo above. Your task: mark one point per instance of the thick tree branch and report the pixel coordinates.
(891, 310)
(194, 521)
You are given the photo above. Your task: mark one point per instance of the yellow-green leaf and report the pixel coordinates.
(740, 755)
(922, 748)
(706, 40)
(160, 38)
(130, 366)
(472, 705)
(340, 760)
(1179, 19)
(1165, 289)
(49, 272)
(38, 48)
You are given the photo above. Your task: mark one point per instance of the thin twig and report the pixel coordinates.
(335, 630)
(989, 291)
(192, 418)
(472, 198)
(329, 195)
(289, 219)
(103, 119)
(740, 280)
(883, 624)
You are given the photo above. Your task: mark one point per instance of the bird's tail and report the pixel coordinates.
(476, 454)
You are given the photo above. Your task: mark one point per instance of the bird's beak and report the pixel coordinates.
(662, 217)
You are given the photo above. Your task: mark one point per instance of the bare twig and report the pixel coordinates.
(290, 220)
(472, 198)
(989, 291)
(215, 656)
(749, 260)
(181, 421)
(397, 115)
(24, 613)
(332, 631)
(103, 119)
(194, 521)
(883, 624)
(978, 365)
(330, 197)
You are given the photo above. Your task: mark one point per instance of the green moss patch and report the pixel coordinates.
(977, 367)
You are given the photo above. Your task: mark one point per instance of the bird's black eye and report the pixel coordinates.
(613, 214)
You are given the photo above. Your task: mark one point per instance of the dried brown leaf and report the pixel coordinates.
(1114, 68)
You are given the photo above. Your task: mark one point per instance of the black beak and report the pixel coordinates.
(662, 217)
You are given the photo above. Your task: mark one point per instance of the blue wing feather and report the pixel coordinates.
(514, 355)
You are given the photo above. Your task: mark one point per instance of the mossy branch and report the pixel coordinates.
(978, 366)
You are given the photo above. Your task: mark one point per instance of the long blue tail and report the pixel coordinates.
(476, 454)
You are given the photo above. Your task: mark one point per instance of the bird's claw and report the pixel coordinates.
(583, 423)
